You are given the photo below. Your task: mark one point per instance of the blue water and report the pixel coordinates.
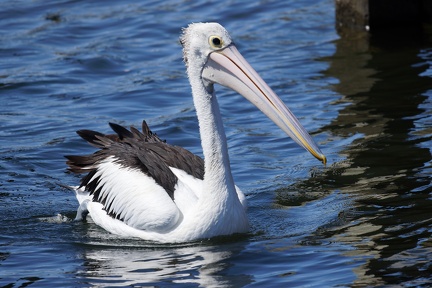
(362, 220)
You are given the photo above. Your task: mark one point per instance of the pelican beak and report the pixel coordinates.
(227, 67)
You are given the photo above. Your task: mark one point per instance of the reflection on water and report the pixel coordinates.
(136, 266)
(224, 262)
(111, 260)
(387, 171)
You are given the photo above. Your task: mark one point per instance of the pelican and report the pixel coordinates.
(139, 186)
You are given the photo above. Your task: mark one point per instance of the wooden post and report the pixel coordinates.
(352, 15)
(382, 15)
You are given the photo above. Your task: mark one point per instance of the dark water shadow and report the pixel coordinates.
(386, 170)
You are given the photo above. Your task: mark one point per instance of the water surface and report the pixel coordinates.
(362, 220)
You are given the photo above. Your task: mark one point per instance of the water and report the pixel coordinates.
(363, 220)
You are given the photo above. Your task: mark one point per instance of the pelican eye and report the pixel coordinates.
(215, 41)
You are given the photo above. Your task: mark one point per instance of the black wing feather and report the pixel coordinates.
(145, 151)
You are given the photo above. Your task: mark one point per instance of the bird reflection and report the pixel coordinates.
(116, 261)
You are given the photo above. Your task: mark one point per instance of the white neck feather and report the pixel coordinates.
(218, 180)
(219, 205)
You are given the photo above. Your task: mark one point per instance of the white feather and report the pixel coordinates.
(141, 202)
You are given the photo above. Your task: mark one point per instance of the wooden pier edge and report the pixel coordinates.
(376, 16)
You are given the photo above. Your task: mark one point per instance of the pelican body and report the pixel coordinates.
(139, 186)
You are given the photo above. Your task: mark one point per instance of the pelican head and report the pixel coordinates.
(210, 53)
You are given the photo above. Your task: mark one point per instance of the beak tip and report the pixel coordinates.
(323, 159)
